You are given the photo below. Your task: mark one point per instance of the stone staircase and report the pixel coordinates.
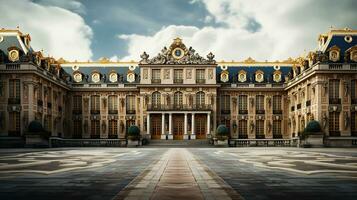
(179, 143)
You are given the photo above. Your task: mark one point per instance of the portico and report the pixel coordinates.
(178, 125)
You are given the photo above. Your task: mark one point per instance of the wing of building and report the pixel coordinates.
(179, 94)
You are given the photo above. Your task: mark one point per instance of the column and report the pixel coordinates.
(170, 136)
(193, 136)
(163, 135)
(185, 136)
(208, 123)
(31, 116)
(148, 123)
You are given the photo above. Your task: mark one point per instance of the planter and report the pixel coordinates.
(133, 142)
(315, 140)
(36, 141)
(220, 142)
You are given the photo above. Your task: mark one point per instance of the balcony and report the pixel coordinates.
(155, 80)
(113, 112)
(260, 112)
(308, 103)
(77, 112)
(277, 112)
(298, 107)
(335, 66)
(334, 133)
(95, 112)
(243, 112)
(334, 101)
(224, 111)
(178, 81)
(129, 111)
(13, 101)
(39, 103)
(183, 107)
(202, 81)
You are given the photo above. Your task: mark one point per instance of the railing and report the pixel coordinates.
(200, 80)
(260, 112)
(334, 101)
(294, 142)
(277, 112)
(184, 107)
(113, 112)
(244, 112)
(128, 111)
(178, 80)
(335, 66)
(353, 66)
(155, 80)
(59, 142)
(12, 66)
(308, 103)
(13, 100)
(95, 112)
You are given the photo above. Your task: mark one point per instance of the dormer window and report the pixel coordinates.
(113, 77)
(95, 77)
(14, 55)
(224, 76)
(334, 53)
(130, 77)
(277, 76)
(259, 76)
(242, 76)
(77, 77)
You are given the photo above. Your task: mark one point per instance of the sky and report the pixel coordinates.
(122, 29)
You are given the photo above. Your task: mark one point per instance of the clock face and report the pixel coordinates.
(177, 53)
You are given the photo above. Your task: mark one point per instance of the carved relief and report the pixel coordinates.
(210, 73)
(167, 74)
(145, 72)
(189, 74)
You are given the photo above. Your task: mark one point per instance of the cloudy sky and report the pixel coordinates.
(123, 29)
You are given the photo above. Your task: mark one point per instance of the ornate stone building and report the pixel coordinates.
(179, 94)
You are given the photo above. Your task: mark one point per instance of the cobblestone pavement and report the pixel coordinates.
(178, 173)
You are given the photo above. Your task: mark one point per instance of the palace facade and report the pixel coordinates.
(178, 94)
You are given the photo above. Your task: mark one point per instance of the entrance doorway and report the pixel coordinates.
(200, 126)
(178, 122)
(155, 126)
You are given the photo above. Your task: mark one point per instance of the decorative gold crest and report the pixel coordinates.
(95, 77)
(77, 77)
(242, 76)
(259, 76)
(14, 55)
(130, 77)
(113, 77)
(224, 76)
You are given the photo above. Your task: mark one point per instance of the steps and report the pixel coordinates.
(179, 143)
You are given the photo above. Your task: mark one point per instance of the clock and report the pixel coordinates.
(177, 53)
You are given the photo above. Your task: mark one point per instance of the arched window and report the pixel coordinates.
(156, 99)
(200, 98)
(178, 99)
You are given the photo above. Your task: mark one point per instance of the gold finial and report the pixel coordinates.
(177, 40)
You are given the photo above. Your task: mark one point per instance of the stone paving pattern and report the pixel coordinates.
(178, 173)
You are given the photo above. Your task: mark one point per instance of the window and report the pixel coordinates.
(243, 104)
(334, 89)
(277, 129)
(259, 131)
(225, 104)
(200, 98)
(95, 129)
(178, 76)
(95, 102)
(156, 99)
(178, 99)
(200, 76)
(334, 123)
(113, 129)
(243, 129)
(130, 104)
(156, 75)
(259, 104)
(14, 88)
(14, 126)
(354, 91)
(276, 104)
(47, 123)
(77, 129)
(77, 102)
(113, 103)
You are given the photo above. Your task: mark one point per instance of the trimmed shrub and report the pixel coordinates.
(222, 132)
(133, 132)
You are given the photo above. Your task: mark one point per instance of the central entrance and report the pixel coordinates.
(178, 122)
(155, 126)
(200, 126)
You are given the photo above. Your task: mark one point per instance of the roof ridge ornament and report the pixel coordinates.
(177, 53)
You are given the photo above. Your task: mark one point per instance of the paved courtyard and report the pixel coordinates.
(178, 173)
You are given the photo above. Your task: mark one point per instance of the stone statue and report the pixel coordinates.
(251, 126)
(269, 126)
(104, 127)
(346, 88)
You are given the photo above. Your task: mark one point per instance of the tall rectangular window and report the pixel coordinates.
(242, 103)
(200, 75)
(259, 129)
(95, 129)
(259, 104)
(225, 104)
(334, 89)
(113, 129)
(178, 76)
(243, 129)
(113, 102)
(334, 123)
(156, 75)
(130, 104)
(14, 88)
(95, 102)
(77, 102)
(277, 129)
(77, 129)
(276, 103)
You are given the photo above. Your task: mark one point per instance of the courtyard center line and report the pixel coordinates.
(178, 175)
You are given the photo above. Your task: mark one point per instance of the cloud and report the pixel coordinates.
(264, 30)
(59, 32)
(72, 5)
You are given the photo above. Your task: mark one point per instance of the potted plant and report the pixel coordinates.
(312, 136)
(36, 136)
(221, 138)
(133, 136)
